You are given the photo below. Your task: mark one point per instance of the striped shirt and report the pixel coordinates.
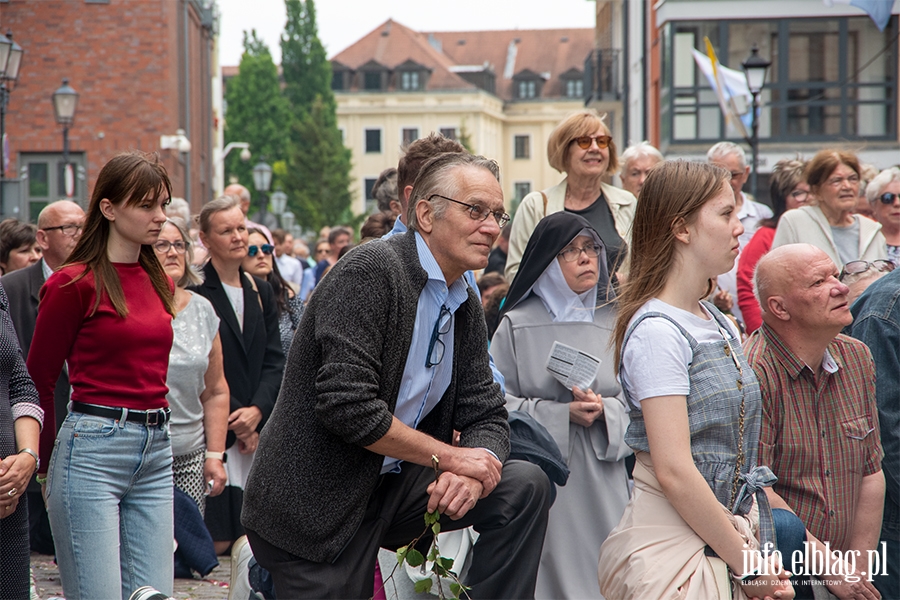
(820, 431)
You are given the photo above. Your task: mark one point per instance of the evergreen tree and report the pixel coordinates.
(317, 181)
(257, 112)
(304, 65)
(318, 172)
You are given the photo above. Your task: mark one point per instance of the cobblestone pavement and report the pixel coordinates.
(213, 587)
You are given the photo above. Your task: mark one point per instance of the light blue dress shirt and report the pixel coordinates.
(400, 227)
(421, 387)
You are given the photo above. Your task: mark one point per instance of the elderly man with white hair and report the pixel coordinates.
(731, 157)
(637, 160)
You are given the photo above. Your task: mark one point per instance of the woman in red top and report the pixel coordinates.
(789, 190)
(107, 314)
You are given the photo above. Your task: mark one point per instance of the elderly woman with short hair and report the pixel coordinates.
(582, 147)
(883, 194)
(788, 190)
(829, 222)
(637, 160)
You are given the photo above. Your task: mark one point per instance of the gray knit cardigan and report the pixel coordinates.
(312, 477)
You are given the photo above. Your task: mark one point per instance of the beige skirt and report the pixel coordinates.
(654, 553)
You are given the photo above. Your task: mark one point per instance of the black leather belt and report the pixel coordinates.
(150, 418)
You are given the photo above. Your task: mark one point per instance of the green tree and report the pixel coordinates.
(304, 65)
(317, 180)
(257, 112)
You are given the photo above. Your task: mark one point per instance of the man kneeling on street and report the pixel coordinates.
(390, 358)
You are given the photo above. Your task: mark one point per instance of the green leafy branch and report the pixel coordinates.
(440, 565)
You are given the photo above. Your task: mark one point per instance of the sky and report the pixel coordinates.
(342, 22)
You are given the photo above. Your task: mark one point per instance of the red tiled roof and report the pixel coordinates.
(548, 52)
(542, 51)
(392, 44)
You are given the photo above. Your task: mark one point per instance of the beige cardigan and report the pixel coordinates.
(621, 204)
(808, 225)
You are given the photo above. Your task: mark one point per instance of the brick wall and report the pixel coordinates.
(125, 60)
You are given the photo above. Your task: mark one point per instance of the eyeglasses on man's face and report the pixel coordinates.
(266, 249)
(163, 246)
(572, 253)
(478, 212)
(584, 142)
(858, 267)
(66, 230)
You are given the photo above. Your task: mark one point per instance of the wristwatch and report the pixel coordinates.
(217, 455)
(34, 455)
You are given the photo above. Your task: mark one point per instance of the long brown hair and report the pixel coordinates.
(673, 194)
(127, 178)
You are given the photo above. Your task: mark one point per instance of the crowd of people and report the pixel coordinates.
(708, 383)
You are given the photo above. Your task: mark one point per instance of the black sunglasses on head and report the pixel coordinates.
(888, 198)
(254, 250)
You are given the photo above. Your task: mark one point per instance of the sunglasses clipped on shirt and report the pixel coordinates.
(266, 249)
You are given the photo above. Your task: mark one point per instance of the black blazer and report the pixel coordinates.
(23, 289)
(252, 358)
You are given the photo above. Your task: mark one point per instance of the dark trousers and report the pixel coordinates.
(511, 522)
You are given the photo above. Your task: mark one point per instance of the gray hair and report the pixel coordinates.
(191, 275)
(723, 150)
(437, 177)
(178, 207)
(640, 150)
(220, 204)
(875, 187)
(385, 189)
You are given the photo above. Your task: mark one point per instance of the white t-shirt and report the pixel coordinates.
(236, 296)
(657, 356)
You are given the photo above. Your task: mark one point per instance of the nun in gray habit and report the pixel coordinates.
(561, 293)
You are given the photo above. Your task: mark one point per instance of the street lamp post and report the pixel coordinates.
(10, 60)
(755, 68)
(65, 100)
(262, 179)
(279, 205)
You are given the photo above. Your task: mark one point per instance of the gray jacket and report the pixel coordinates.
(312, 477)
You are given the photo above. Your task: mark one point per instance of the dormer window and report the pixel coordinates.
(572, 83)
(409, 81)
(340, 76)
(374, 76)
(527, 85)
(411, 76)
(527, 89)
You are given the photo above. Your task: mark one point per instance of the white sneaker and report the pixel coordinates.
(239, 588)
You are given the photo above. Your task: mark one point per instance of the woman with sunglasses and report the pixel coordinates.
(828, 222)
(107, 314)
(699, 511)
(581, 147)
(251, 354)
(883, 194)
(788, 190)
(259, 263)
(198, 392)
(562, 294)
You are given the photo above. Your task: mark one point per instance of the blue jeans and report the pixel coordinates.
(109, 497)
(790, 532)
